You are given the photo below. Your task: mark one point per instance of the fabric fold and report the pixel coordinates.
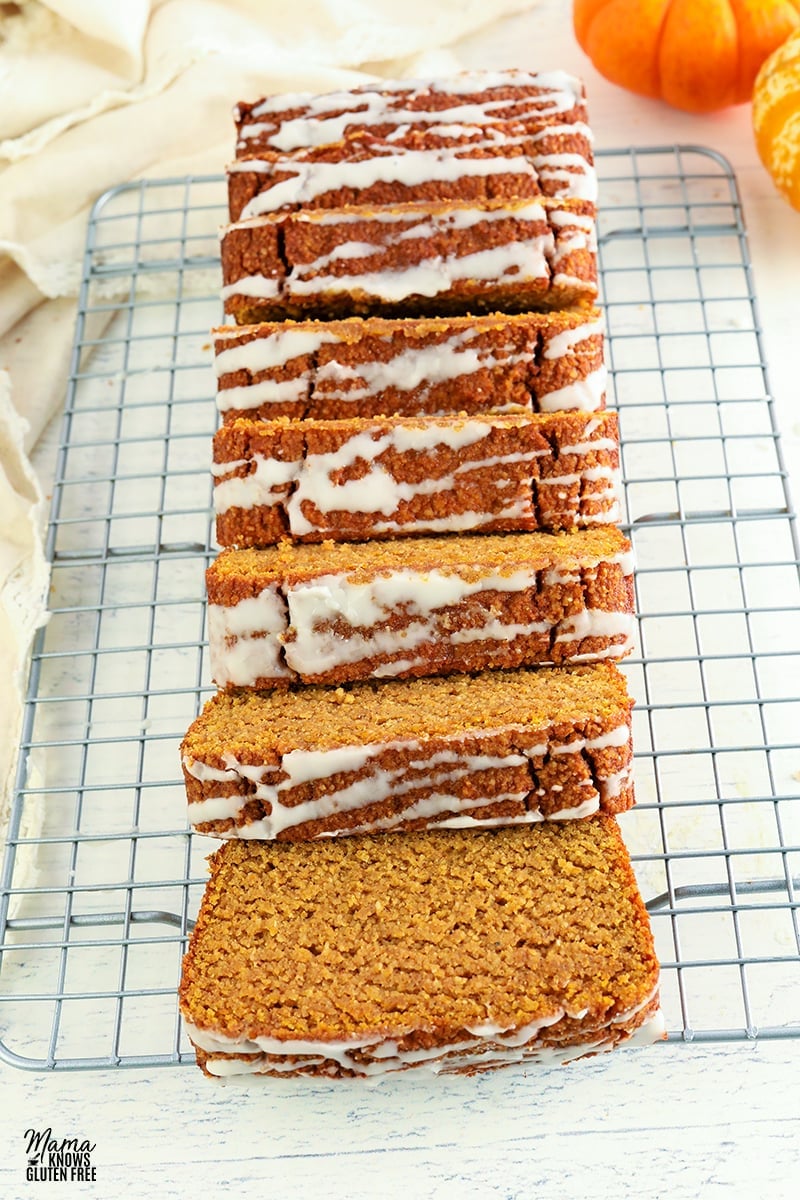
(23, 576)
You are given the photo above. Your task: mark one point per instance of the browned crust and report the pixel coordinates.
(261, 728)
(516, 370)
(546, 782)
(470, 555)
(480, 482)
(297, 241)
(586, 584)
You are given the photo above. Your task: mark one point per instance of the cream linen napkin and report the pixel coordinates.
(93, 94)
(23, 571)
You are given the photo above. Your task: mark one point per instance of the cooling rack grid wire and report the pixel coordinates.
(101, 879)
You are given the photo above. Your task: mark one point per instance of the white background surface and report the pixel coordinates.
(678, 1121)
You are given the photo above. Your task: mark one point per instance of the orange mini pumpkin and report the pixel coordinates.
(695, 54)
(776, 117)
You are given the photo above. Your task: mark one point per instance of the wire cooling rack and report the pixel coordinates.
(101, 878)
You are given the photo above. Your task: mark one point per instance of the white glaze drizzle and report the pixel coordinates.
(426, 809)
(588, 475)
(575, 128)
(271, 783)
(254, 286)
(566, 219)
(243, 639)
(612, 785)
(586, 393)
(263, 487)
(459, 522)
(619, 736)
(272, 350)
(267, 391)
(524, 261)
(412, 168)
(590, 444)
(498, 630)
(219, 808)
(340, 1050)
(314, 605)
(376, 490)
(414, 366)
(431, 806)
(559, 344)
(505, 132)
(299, 133)
(366, 106)
(531, 817)
(407, 370)
(379, 492)
(594, 622)
(491, 1046)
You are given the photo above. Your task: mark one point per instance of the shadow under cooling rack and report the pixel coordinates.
(101, 878)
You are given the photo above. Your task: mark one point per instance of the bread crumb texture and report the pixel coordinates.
(258, 727)
(426, 933)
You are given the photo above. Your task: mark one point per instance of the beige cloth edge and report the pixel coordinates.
(24, 575)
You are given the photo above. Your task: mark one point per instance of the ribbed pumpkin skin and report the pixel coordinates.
(776, 117)
(698, 55)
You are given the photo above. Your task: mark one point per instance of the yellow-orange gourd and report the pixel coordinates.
(776, 117)
(695, 54)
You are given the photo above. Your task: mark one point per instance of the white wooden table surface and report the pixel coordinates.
(673, 1120)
